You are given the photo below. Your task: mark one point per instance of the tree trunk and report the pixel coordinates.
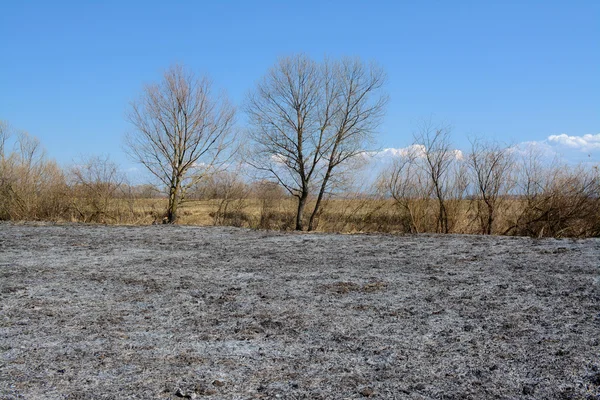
(490, 219)
(173, 203)
(443, 218)
(413, 220)
(312, 225)
(481, 216)
(301, 204)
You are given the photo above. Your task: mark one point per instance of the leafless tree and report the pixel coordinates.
(491, 166)
(182, 130)
(309, 120)
(439, 157)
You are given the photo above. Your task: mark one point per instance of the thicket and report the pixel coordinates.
(430, 187)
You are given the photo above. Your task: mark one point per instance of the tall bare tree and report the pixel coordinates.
(491, 167)
(309, 120)
(182, 131)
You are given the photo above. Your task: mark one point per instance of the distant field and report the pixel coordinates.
(170, 312)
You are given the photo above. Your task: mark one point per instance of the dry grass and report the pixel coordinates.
(350, 215)
(337, 215)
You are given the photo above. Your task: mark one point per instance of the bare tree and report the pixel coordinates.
(439, 157)
(309, 120)
(181, 131)
(491, 166)
(286, 133)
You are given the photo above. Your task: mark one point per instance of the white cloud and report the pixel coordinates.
(585, 143)
(566, 148)
(542, 148)
(415, 149)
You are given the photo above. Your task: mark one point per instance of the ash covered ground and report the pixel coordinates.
(169, 312)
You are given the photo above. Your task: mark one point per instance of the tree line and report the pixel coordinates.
(311, 126)
(492, 189)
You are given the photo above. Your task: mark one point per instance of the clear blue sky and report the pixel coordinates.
(512, 70)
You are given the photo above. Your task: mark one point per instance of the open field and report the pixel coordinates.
(167, 312)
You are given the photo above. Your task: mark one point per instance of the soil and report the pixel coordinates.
(171, 312)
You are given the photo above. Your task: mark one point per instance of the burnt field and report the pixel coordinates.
(169, 312)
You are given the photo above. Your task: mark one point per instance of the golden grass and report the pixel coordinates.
(337, 215)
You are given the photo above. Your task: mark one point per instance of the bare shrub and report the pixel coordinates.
(556, 200)
(6, 171)
(145, 191)
(491, 167)
(438, 158)
(358, 212)
(272, 213)
(457, 190)
(99, 191)
(31, 186)
(428, 182)
(410, 188)
(231, 195)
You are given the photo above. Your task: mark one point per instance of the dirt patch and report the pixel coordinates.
(347, 287)
(170, 312)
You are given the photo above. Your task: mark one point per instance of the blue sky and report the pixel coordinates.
(514, 71)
